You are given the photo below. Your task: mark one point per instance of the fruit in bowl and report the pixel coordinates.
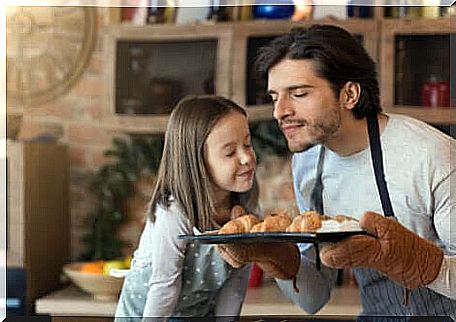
(92, 267)
(94, 278)
(114, 264)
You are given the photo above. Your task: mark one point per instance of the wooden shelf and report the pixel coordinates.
(378, 33)
(260, 112)
(435, 115)
(443, 115)
(141, 124)
(137, 124)
(416, 26)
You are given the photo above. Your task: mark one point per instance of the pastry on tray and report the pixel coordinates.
(308, 222)
(312, 221)
(273, 223)
(240, 225)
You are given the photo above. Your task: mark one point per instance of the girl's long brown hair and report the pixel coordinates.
(183, 174)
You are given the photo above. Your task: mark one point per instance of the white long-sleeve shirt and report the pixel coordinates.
(421, 177)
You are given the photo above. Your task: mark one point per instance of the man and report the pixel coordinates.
(350, 158)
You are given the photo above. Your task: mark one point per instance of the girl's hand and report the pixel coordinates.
(237, 211)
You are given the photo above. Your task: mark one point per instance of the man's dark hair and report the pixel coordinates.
(338, 57)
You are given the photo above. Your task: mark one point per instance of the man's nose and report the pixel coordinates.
(282, 108)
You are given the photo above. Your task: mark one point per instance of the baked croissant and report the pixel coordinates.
(341, 218)
(240, 225)
(309, 221)
(273, 223)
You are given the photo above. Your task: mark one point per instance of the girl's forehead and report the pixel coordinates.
(229, 128)
(229, 121)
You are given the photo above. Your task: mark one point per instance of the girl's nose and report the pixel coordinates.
(247, 158)
(244, 161)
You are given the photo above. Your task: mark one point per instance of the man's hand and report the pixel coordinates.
(280, 260)
(392, 249)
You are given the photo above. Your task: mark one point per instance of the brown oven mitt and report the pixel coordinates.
(392, 249)
(280, 260)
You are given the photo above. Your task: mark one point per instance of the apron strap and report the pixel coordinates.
(316, 196)
(377, 160)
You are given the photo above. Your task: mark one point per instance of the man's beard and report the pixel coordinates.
(302, 149)
(323, 132)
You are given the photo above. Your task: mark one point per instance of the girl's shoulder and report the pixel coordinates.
(172, 217)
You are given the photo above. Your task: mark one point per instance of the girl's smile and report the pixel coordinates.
(247, 175)
(230, 157)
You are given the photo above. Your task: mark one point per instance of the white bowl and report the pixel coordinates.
(102, 287)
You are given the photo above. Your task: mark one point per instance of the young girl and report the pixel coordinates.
(207, 167)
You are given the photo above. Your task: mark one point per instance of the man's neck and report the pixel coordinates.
(353, 136)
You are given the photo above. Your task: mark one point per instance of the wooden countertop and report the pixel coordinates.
(264, 300)
(269, 300)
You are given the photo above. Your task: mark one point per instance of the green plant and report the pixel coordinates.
(267, 139)
(112, 183)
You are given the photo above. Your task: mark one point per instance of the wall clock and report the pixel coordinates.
(47, 49)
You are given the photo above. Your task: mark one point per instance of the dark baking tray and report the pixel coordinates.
(213, 238)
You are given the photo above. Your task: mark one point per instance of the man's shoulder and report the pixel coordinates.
(409, 136)
(406, 128)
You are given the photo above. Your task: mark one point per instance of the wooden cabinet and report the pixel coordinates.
(407, 51)
(37, 214)
(149, 68)
(413, 51)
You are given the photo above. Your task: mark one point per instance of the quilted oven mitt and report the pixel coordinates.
(392, 249)
(280, 260)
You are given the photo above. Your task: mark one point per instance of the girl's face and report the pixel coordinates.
(230, 158)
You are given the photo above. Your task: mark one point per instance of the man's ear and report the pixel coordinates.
(349, 95)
